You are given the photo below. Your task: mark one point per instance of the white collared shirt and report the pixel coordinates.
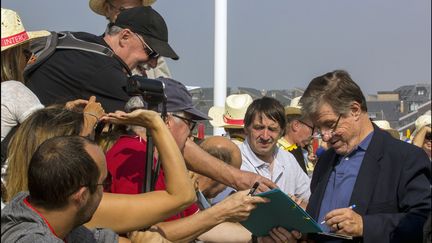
(287, 174)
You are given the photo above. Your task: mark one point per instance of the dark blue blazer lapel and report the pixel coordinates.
(329, 161)
(368, 174)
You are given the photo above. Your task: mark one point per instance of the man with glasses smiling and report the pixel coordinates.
(368, 184)
(110, 9)
(298, 135)
(138, 36)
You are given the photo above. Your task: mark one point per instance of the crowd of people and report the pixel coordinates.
(83, 160)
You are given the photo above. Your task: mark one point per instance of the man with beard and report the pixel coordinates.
(264, 125)
(65, 181)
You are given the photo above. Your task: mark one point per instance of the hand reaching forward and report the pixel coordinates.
(144, 118)
(238, 206)
(246, 179)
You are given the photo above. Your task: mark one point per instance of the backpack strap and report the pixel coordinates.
(66, 40)
(44, 47)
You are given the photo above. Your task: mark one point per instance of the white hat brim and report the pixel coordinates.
(217, 113)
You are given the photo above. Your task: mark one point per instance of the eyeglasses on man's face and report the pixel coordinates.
(147, 49)
(189, 122)
(328, 132)
(311, 127)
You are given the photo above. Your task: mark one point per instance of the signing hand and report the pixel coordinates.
(345, 221)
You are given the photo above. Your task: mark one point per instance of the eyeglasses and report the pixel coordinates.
(106, 185)
(330, 132)
(191, 123)
(311, 127)
(147, 49)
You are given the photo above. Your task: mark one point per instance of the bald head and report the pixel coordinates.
(224, 149)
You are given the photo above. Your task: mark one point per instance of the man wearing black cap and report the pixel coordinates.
(139, 35)
(110, 9)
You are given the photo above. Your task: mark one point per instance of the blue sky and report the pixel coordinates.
(280, 44)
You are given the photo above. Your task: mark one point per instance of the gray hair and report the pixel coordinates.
(135, 102)
(335, 88)
(113, 30)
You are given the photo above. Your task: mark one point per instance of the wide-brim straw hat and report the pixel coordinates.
(420, 122)
(294, 108)
(385, 125)
(232, 115)
(98, 5)
(13, 32)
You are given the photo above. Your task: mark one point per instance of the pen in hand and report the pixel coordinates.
(253, 189)
(350, 207)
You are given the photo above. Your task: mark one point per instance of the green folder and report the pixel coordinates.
(282, 211)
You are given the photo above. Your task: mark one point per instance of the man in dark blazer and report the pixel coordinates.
(368, 184)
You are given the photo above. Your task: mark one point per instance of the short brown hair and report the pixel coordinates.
(335, 88)
(268, 106)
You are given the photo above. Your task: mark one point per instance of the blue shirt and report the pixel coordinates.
(342, 179)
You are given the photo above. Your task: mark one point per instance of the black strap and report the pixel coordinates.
(67, 40)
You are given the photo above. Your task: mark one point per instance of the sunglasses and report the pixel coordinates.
(189, 122)
(147, 49)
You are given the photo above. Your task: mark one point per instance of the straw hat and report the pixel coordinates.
(385, 125)
(294, 108)
(13, 32)
(98, 5)
(423, 120)
(232, 115)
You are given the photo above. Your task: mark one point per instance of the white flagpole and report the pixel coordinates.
(220, 57)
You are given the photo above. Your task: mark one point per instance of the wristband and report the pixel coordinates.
(93, 115)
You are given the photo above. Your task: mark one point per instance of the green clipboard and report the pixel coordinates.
(282, 211)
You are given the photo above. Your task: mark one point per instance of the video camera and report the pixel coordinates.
(151, 90)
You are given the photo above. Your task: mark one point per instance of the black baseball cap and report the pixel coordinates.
(148, 23)
(179, 99)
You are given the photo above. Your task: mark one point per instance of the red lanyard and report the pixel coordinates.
(44, 219)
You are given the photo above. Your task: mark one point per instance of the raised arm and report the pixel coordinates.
(124, 213)
(234, 208)
(202, 162)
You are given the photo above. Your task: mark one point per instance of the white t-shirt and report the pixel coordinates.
(287, 173)
(17, 103)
